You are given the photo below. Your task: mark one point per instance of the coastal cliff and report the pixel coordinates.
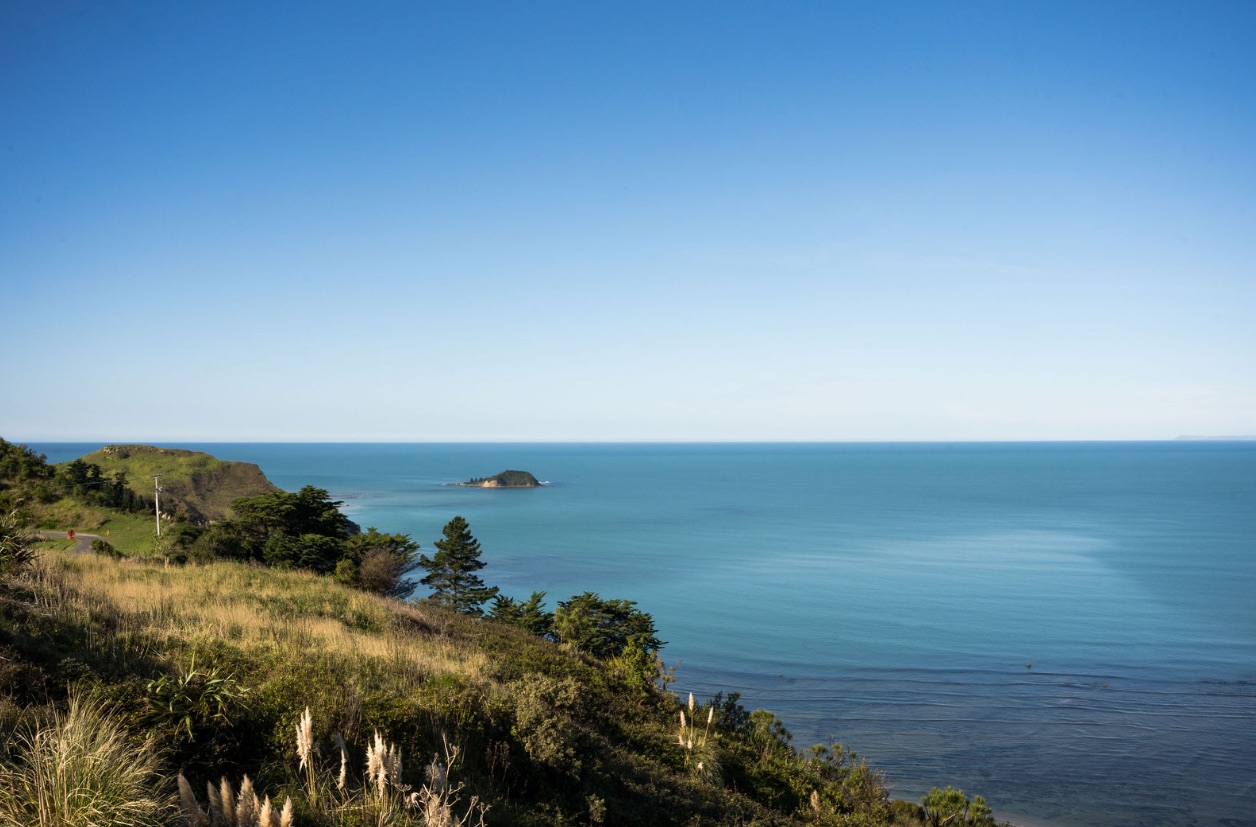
(198, 485)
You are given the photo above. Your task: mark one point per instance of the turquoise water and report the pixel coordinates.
(1067, 629)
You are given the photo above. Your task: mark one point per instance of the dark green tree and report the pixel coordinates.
(19, 464)
(451, 572)
(529, 615)
(309, 511)
(303, 530)
(316, 552)
(605, 628)
(225, 539)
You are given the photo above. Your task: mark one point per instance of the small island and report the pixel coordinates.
(506, 479)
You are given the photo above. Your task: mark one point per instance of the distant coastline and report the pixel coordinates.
(1194, 438)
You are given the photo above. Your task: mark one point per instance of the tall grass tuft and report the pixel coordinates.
(80, 768)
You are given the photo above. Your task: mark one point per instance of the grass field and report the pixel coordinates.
(132, 534)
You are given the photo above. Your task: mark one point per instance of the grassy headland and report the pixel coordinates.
(199, 485)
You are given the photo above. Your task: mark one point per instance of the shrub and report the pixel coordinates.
(106, 549)
(952, 807)
(546, 711)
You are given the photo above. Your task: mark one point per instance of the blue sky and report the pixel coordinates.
(637, 221)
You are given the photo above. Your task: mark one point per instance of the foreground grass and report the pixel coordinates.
(80, 768)
(291, 680)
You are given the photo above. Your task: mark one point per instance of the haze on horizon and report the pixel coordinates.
(627, 222)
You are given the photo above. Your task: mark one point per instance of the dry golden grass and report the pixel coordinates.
(253, 608)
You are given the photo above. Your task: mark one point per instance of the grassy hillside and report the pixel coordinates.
(198, 484)
(218, 663)
(132, 534)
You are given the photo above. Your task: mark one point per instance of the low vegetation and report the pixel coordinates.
(274, 690)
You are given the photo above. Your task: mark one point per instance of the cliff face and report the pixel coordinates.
(195, 484)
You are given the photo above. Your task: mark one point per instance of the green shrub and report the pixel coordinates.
(545, 712)
(952, 807)
(106, 548)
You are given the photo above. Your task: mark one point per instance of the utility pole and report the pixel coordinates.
(157, 501)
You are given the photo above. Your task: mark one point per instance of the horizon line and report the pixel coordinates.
(868, 441)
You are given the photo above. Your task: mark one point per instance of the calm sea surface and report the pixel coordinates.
(1068, 629)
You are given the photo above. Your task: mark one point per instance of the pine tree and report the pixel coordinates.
(452, 570)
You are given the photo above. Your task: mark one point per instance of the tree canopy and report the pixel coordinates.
(529, 614)
(604, 628)
(29, 476)
(379, 563)
(307, 530)
(451, 572)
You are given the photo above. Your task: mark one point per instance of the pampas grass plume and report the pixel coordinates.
(343, 779)
(191, 807)
(246, 803)
(376, 768)
(305, 738)
(226, 802)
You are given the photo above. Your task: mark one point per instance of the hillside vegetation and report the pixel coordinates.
(134, 690)
(195, 485)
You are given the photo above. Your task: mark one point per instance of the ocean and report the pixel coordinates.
(1068, 629)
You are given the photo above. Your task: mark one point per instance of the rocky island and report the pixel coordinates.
(506, 479)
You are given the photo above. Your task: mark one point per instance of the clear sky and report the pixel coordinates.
(627, 221)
